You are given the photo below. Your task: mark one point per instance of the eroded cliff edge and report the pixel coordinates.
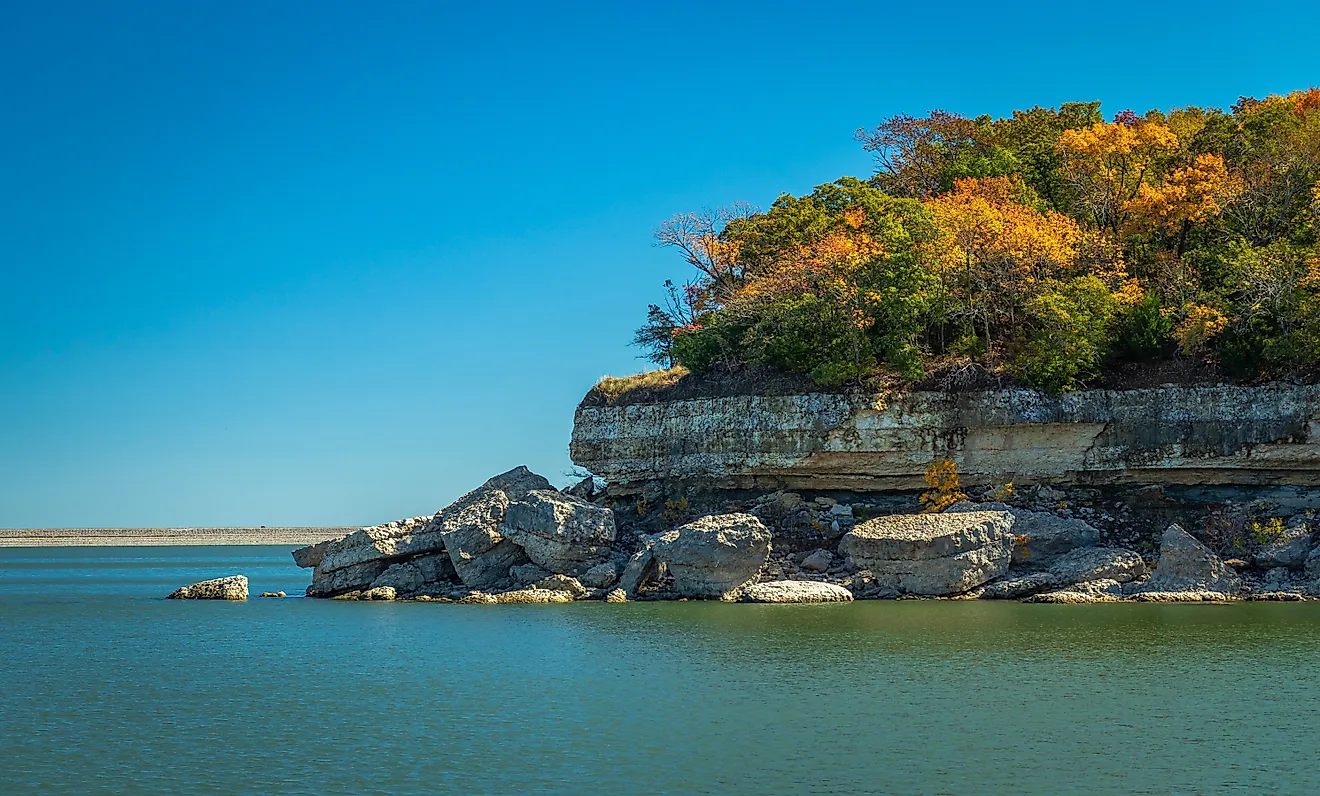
(1222, 435)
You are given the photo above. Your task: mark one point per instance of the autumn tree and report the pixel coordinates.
(1106, 165)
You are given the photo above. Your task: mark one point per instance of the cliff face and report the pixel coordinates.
(1169, 435)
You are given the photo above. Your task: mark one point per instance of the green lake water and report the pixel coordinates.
(105, 687)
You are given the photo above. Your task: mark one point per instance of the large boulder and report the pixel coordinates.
(417, 575)
(1038, 535)
(639, 569)
(795, 591)
(1289, 550)
(234, 587)
(562, 533)
(601, 576)
(311, 555)
(932, 554)
(1083, 565)
(1313, 564)
(1186, 565)
(350, 578)
(356, 560)
(470, 528)
(713, 556)
(1097, 563)
(392, 541)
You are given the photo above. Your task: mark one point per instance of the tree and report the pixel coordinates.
(698, 236)
(1106, 164)
(997, 248)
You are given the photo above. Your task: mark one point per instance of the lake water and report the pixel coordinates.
(106, 687)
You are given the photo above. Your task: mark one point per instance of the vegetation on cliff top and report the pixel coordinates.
(1051, 247)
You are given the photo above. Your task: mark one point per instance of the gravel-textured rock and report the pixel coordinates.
(932, 554)
(527, 574)
(311, 555)
(562, 583)
(233, 587)
(1099, 591)
(795, 591)
(1038, 535)
(382, 593)
(534, 596)
(351, 578)
(1186, 565)
(560, 532)
(713, 556)
(616, 596)
(1189, 596)
(418, 574)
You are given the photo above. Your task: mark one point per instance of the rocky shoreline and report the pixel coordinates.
(516, 539)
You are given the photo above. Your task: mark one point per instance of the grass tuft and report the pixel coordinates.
(610, 389)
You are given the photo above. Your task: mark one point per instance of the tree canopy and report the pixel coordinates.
(1051, 246)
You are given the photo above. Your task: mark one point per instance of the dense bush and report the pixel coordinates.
(1050, 245)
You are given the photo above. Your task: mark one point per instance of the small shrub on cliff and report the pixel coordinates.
(945, 487)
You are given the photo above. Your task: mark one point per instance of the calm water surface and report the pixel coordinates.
(105, 687)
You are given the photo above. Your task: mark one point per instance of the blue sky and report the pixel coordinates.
(328, 263)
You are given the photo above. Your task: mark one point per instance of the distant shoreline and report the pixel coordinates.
(141, 537)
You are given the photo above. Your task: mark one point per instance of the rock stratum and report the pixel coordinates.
(1260, 435)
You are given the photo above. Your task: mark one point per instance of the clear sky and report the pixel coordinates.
(283, 263)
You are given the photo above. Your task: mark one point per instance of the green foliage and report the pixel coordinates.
(1070, 334)
(1146, 331)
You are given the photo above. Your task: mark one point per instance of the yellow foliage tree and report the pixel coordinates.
(1188, 195)
(998, 248)
(945, 487)
(1107, 163)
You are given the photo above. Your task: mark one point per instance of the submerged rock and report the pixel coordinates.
(233, 587)
(932, 554)
(1186, 565)
(276, 594)
(795, 591)
(562, 533)
(713, 556)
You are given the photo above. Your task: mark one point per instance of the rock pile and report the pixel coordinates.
(234, 587)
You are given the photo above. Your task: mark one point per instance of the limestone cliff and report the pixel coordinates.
(1169, 435)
